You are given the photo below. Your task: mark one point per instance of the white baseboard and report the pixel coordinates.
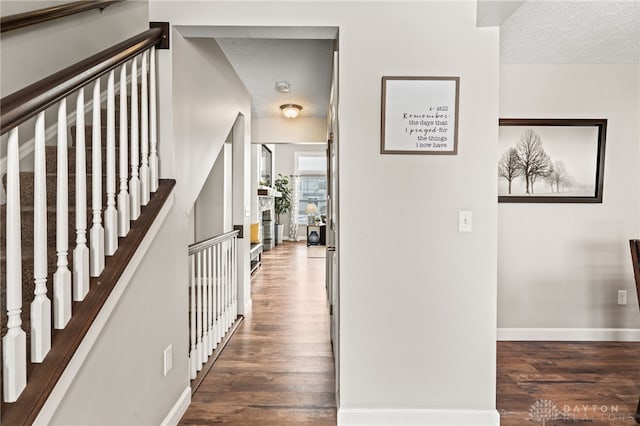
(570, 334)
(414, 417)
(178, 409)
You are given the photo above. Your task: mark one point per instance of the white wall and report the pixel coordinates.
(285, 165)
(561, 265)
(201, 101)
(418, 299)
(121, 382)
(284, 130)
(213, 206)
(35, 52)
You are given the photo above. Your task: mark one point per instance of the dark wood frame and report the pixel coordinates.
(33, 17)
(383, 149)
(600, 123)
(266, 168)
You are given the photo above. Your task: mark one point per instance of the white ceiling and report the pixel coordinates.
(572, 32)
(305, 64)
(538, 31)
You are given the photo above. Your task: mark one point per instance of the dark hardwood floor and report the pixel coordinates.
(590, 383)
(278, 367)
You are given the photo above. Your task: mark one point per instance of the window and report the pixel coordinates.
(312, 169)
(312, 189)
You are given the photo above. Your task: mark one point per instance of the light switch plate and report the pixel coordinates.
(465, 219)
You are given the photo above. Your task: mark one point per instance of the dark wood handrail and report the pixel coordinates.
(20, 106)
(21, 20)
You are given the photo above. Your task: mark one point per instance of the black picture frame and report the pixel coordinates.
(419, 115)
(571, 172)
(266, 173)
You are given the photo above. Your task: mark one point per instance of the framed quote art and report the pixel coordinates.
(551, 160)
(419, 115)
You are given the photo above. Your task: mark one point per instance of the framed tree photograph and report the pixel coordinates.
(419, 115)
(551, 160)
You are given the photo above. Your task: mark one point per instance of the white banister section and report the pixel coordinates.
(131, 167)
(144, 135)
(41, 305)
(96, 254)
(153, 127)
(123, 196)
(14, 343)
(134, 183)
(213, 295)
(62, 277)
(111, 214)
(81, 252)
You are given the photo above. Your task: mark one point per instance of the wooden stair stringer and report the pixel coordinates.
(45, 376)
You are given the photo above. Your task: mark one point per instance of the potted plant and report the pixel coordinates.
(282, 204)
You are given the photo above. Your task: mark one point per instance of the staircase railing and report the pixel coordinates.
(134, 151)
(213, 290)
(21, 20)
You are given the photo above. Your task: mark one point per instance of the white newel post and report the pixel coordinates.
(153, 127)
(220, 292)
(192, 310)
(41, 305)
(96, 254)
(81, 252)
(123, 197)
(62, 277)
(134, 183)
(144, 134)
(14, 343)
(111, 214)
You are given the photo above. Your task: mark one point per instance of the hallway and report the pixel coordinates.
(278, 368)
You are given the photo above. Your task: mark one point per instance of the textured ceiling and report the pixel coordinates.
(579, 32)
(305, 64)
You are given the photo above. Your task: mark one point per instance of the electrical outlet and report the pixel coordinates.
(168, 359)
(622, 297)
(464, 221)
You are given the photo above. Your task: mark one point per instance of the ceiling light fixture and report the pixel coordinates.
(290, 110)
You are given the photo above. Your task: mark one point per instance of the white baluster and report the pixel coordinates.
(111, 214)
(62, 277)
(153, 131)
(81, 252)
(220, 293)
(192, 323)
(134, 183)
(124, 216)
(208, 255)
(199, 310)
(96, 255)
(14, 343)
(226, 286)
(144, 135)
(205, 308)
(216, 298)
(41, 305)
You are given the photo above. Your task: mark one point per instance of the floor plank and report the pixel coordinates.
(278, 367)
(594, 383)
